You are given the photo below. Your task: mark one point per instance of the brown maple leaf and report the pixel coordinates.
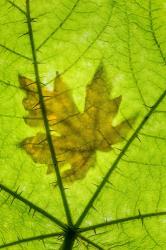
(76, 136)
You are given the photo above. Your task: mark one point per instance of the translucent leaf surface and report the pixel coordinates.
(116, 199)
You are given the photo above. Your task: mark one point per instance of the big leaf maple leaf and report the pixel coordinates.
(76, 136)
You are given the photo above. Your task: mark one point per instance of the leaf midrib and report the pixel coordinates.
(44, 114)
(130, 139)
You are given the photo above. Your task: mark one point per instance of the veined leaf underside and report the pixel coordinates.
(68, 136)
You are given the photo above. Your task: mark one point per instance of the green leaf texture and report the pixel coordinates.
(121, 203)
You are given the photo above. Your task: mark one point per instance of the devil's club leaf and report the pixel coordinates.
(80, 134)
(121, 202)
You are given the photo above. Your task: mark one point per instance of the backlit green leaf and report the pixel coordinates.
(120, 201)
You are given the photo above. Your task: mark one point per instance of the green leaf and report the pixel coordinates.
(120, 203)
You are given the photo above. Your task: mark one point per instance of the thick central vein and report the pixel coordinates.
(44, 114)
(117, 160)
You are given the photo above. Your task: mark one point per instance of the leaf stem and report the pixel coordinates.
(58, 27)
(30, 239)
(70, 237)
(15, 52)
(69, 240)
(17, 7)
(156, 41)
(122, 220)
(90, 242)
(44, 114)
(17, 196)
(115, 163)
